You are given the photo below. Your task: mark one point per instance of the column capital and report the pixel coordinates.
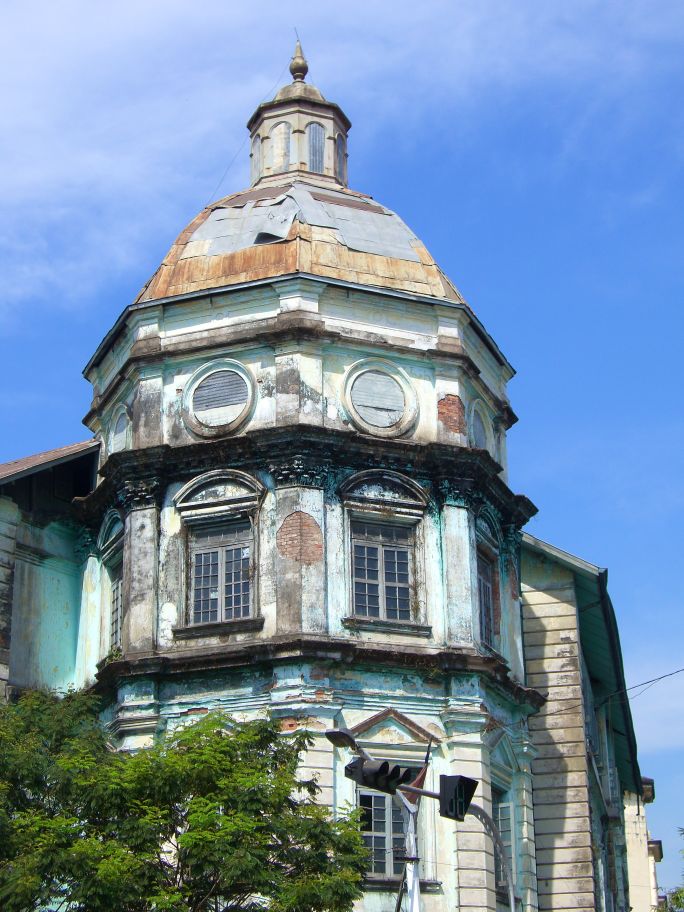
(139, 493)
(298, 470)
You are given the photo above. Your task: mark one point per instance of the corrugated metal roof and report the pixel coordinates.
(18, 468)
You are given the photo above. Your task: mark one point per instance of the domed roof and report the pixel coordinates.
(297, 226)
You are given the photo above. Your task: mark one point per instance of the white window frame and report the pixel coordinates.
(387, 498)
(209, 504)
(412, 755)
(110, 544)
(244, 538)
(384, 547)
(488, 552)
(508, 805)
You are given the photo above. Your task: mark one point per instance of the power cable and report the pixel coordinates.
(621, 690)
(230, 164)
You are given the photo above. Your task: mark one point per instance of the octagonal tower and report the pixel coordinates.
(302, 504)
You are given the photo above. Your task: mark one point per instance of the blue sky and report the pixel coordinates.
(536, 147)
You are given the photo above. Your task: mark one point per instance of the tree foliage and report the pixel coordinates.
(211, 818)
(675, 898)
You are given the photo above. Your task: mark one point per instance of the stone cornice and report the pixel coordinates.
(307, 456)
(295, 326)
(138, 493)
(432, 660)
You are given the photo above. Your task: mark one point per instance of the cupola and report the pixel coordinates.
(299, 132)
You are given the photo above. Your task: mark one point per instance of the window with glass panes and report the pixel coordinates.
(382, 557)
(485, 593)
(382, 828)
(116, 602)
(502, 815)
(221, 573)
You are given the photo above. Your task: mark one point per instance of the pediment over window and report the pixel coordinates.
(384, 487)
(217, 493)
(111, 531)
(394, 728)
(502, 754)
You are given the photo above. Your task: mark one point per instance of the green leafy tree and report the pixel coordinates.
(213, 817)
(675, 898)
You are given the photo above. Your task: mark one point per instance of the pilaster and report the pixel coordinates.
(460, 582)
(140, 500)
(300, 553)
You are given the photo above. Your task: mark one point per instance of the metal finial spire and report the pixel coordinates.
(298, 65)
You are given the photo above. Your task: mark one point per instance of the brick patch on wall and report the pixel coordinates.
(300, 538)
(451, 413)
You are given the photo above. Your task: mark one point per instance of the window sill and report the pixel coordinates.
(377, 883)
(381, 626)
(218, 628)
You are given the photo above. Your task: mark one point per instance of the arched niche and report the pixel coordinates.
(111, 532)
(488, 528)
(384, 488)
(219, 493)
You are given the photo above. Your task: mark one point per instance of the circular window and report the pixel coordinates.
(217, 398)
(379, 398)
(220, 398)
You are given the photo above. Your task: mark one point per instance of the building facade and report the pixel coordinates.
(295, 501)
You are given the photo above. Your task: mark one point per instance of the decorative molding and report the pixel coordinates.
(460, 492)
(85, 545)
(379, 625)
(190, 417)
(376, 883)
(219, 628)
(138, 493)
(391, 488)
(409, 417)
(219, 495)
(299, 470)
(392, 714)
(126, 724)
(312, 450)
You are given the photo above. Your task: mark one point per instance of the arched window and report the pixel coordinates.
(488, 583)
(256, 158)
(340, 158)
(480, 427)
(110, 543)
(280, 147)
(119, 434)
(316, 135)
(219, 511)
(384, 514)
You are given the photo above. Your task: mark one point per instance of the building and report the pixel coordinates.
(295, 500)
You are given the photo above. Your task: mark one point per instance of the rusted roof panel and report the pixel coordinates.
(295, 227)
(18, 468)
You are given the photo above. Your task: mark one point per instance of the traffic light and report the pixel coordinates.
(455, 795)
(378, 774)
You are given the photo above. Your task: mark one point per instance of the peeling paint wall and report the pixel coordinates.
(46, 607)
(298, 380)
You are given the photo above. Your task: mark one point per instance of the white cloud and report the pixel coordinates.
(118, 120)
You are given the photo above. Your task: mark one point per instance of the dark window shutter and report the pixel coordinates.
(378, 398)
(219, 390)
(316, 145)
